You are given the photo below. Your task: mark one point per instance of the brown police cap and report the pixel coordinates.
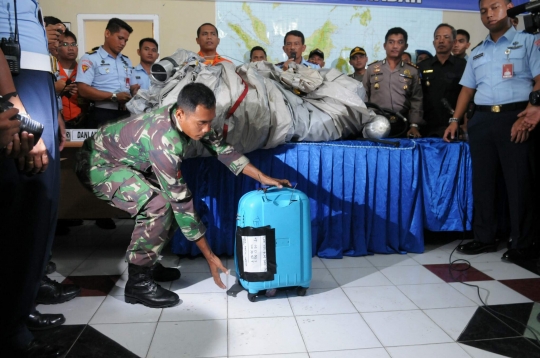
(357, 50)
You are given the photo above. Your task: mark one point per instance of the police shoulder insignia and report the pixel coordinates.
(480, 43)
(412, 65)
(374, 62)
(91, 52)
(124, 56)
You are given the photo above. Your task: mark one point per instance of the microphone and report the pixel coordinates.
(528, 7)
(447, 105)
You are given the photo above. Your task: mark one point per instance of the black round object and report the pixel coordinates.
(534, 98)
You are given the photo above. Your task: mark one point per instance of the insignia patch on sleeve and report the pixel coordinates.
(85, 65)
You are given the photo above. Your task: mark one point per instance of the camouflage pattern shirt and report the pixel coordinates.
(151, 144)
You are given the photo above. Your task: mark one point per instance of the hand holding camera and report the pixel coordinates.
(53, 33)
(14, 145)
(8, 127)
(25, 123)
(69, 88)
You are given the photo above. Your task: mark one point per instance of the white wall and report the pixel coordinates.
(178, 23)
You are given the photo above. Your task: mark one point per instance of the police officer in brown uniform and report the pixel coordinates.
(394, 84)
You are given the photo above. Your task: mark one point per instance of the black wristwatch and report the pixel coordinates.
(534, 98)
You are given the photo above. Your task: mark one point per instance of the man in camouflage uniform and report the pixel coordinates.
(135, 164)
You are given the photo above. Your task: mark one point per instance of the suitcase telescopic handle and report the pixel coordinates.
(265, 188)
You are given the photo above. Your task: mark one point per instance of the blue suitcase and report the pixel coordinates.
(273, 241)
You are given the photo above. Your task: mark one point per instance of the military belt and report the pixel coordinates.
(497, 108)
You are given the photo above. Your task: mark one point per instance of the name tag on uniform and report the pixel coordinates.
(138, 77)
(508, 70)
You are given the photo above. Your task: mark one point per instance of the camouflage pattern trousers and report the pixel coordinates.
(138, 195)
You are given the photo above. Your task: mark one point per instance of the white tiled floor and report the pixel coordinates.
(376, 306)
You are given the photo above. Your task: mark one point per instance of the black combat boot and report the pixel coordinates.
(165, 274)
(141, 288)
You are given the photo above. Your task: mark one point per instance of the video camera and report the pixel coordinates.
(531, 21)
(27, 124)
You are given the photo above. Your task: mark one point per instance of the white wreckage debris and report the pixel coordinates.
(261, 106)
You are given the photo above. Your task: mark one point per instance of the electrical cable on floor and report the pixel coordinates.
(463, 216)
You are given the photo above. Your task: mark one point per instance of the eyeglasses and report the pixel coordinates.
(66, 44)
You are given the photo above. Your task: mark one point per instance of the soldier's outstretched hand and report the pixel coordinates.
(252, 171)
(215, 266)
(280, 183)
(213, 261)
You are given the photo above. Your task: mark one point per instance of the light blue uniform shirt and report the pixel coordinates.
(105, 73)
(32, 35)
(140, 77)
(484, 71)
(305, 63)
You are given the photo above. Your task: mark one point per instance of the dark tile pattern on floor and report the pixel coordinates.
(531, 265)
(63, 336)
(487, 330)
(515, 316)
(508, 347)
(458, 273)
(483, 325)
(500, 329)
(529, 287)
(93, 285)
(93, 344)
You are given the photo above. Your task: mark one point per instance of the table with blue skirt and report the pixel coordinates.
(365, 197)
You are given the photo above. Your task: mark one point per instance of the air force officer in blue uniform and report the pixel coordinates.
(500, 74)
(103, 76)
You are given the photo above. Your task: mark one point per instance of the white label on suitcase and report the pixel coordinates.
(254, 250)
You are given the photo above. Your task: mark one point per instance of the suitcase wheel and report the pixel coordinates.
(252, 297)
(301, 291)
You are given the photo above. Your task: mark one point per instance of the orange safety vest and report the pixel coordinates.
(217, 59)
(71, 108)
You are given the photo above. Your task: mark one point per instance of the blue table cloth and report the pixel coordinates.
(365, 197)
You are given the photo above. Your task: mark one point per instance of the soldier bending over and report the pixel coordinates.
(134, 165)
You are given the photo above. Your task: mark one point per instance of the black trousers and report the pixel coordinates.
(493, 155)
(28, 210)
(100, 116)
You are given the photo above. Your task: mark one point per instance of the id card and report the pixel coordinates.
(127, 82)
(508, 70)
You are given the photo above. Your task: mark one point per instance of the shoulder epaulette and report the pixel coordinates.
(124, 56)
(92, 51)
(410, 64)
(480, 43)
(374, 62)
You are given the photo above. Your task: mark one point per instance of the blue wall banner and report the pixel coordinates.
(451, 5)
